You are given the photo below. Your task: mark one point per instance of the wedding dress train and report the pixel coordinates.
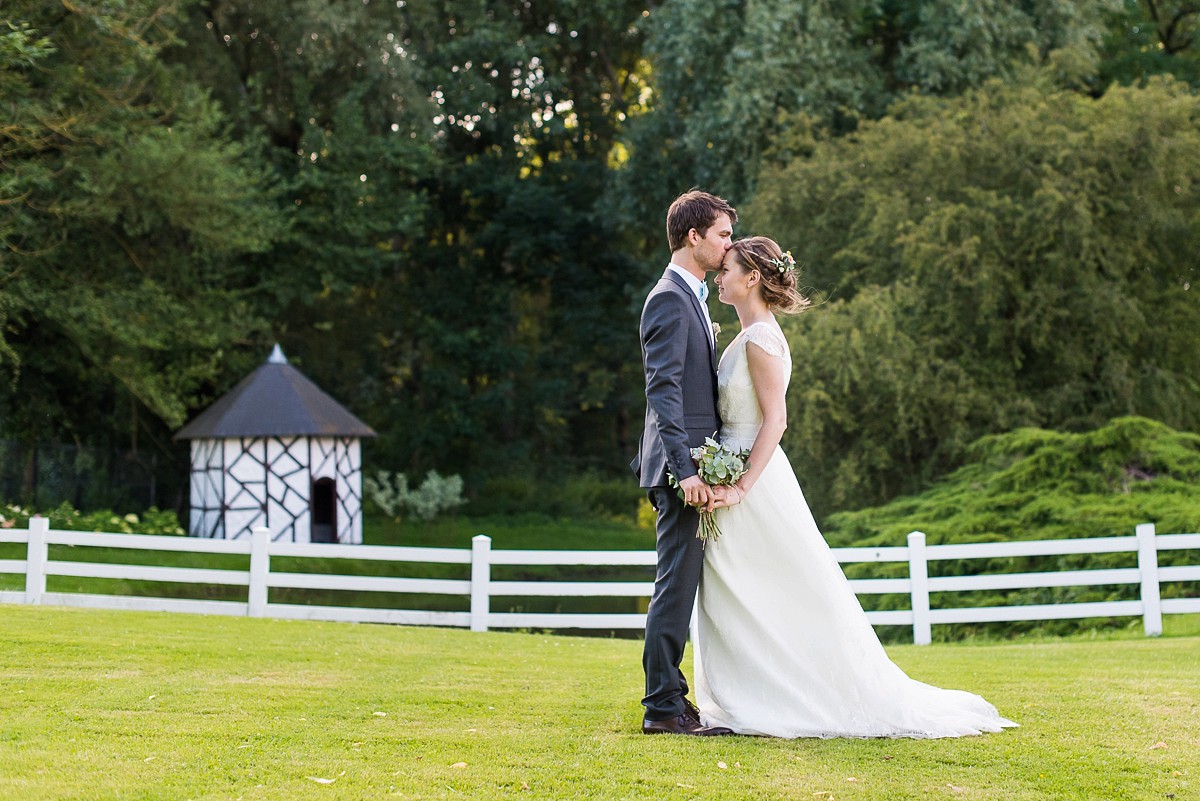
(783, 647)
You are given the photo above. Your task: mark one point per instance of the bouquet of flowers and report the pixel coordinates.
(718, 466)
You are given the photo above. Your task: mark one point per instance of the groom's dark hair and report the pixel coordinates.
(694, 209)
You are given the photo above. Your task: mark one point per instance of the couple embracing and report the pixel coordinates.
(782, 645)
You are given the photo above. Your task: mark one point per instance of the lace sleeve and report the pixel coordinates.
(768, 338)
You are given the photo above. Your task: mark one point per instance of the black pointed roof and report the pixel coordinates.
(276, 400)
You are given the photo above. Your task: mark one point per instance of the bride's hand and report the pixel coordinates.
(724, 496)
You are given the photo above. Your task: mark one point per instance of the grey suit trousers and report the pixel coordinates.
(680, 559)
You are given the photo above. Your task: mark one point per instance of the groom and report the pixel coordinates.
(679, 358)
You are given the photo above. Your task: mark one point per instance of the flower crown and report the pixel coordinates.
(785, 263)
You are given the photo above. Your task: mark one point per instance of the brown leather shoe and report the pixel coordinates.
(682, 724)
(690, 710)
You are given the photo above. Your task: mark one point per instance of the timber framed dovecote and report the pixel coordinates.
(276, 451)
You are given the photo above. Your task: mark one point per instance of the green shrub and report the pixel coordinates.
(66, 517)
(1032, 484)
(391, 493)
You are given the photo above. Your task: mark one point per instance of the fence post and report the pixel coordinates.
(918, 574)
(260, 568)
(36, 555)
(1148, 567)
(481, 577)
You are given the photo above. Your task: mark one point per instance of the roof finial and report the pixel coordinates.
(277, 356)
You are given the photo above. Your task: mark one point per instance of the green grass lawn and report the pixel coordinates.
(108, 705)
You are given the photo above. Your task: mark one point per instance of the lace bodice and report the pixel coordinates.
(741, 416)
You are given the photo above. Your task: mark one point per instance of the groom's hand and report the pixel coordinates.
(722, 495)
(695, 491)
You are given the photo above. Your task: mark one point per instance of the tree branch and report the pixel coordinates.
(1170, 45)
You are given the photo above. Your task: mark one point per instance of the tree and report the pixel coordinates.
(730, 79)
(1153, 37)
(525, 347)
(447, 265)
(1009, 258)
(123, 213)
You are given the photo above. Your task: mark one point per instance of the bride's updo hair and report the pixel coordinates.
(778, 271)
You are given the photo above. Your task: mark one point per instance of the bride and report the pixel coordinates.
(783, 647)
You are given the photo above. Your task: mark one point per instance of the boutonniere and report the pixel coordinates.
(716, 331)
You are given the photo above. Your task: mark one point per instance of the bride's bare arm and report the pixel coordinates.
(766, 372)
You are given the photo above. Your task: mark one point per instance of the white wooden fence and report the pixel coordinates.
(480, 588)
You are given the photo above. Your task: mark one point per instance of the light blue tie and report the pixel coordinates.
(712, 335)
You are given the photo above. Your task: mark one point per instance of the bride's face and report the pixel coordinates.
(735, 282)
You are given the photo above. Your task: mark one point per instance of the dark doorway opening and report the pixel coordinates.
(324, 510)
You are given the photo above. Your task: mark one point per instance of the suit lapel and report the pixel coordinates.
(673, 276)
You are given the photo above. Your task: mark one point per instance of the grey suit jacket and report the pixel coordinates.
(681, 382)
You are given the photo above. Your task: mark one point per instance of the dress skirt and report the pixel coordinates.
(783, 647)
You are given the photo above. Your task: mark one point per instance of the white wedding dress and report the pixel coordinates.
(782, 646)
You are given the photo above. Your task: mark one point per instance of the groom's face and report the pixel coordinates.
(709, 249)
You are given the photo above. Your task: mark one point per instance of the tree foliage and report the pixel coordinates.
(448, 214)
(1034, 484)
(1152, 37)
(731, 78)
(447, 265)
(124, 210)
(1012, 257)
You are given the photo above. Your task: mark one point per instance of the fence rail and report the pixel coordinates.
(480, 588)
